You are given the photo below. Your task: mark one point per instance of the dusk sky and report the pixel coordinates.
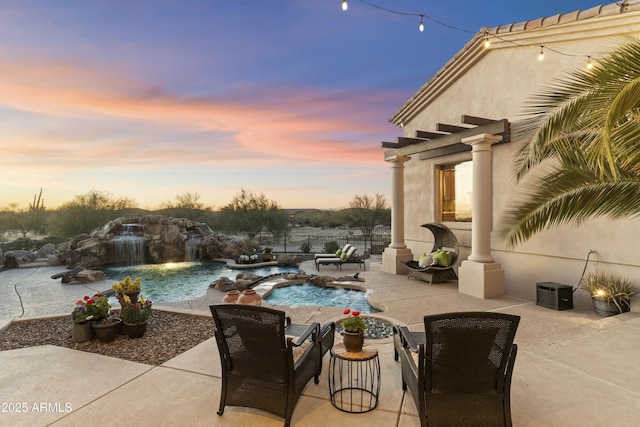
(149, 99)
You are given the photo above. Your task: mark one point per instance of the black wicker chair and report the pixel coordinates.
(262, 367)
(459, 371)
(443, 239)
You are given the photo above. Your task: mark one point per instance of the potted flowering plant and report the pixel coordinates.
(353, 331)
(128, 287)
(135, 315)
(98, 308)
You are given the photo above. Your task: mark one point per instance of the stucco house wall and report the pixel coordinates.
(494, 83)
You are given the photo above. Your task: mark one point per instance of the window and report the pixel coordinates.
(455, 192)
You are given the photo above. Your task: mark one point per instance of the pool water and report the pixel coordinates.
(307, 294)
(182, 281)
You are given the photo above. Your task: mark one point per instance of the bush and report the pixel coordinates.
(331, 247)
(305, 247)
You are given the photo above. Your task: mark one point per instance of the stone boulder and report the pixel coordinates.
(46, 251)
(80, 275)
(289, 260)
(224, 284)
(14, 259)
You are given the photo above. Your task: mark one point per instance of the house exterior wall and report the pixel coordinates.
(494, 84)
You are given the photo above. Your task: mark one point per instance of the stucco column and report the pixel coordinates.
(397, 202)
(397, 251)
(480, 275)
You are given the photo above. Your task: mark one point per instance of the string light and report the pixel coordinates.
(487, 41)
(487, 35)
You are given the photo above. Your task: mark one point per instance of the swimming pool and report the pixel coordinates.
(182, 281)
(307, 294)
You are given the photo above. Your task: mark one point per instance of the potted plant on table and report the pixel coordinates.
(135, 315)
(610, 294)
(128, 287)
(353, 331)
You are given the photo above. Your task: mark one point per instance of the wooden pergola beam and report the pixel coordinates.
(443, 127)
(496, 127)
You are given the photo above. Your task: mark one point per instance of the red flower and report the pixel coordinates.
(98, 295)
(79, 302)
(86, 298)
(356, 313)
(90, 302)
(347, 311)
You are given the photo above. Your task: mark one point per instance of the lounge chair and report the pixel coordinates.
(444, 239)
(349, 258)
(344, 250)
(459, 371)
(262, 368)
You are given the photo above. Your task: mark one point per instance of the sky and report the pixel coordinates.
(151, 99)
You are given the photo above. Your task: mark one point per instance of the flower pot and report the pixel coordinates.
(106, 332)
(136, 330)
(250, 296)
(353, 341)
(81, 332)
(133, 296)
(231, 297)
(606, 308)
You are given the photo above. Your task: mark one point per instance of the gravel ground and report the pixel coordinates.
(168, 334)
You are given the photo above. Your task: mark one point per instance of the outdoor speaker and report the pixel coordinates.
(554, 296)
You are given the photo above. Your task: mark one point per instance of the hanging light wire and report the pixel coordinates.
(487, 42)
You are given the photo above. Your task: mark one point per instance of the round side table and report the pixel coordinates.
(354, 379)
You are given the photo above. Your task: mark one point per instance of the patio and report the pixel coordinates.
(573, 368)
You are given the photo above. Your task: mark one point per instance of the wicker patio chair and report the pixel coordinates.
(262, 368)
(443, 239)
(459, 371)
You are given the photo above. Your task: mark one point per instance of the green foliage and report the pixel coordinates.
(96, 308)
(354, 324)
(135, 313)
(305, 247)
(609, 287)
(365, 212)
(250, 246)
(588, 124)
(331, 247)
(25, 220)
(187, 205)
(253, 213)
(86, 212)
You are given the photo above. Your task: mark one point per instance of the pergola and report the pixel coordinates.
(479, 275)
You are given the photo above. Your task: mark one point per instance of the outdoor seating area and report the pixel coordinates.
(348, 257)
(557, 380)
(431, 267)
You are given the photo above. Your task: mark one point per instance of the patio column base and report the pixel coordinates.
(481, 279)
(392, 260)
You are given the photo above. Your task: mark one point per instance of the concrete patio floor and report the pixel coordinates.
(573, 368)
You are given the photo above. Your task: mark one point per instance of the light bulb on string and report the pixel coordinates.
(421, 26)
(541, 55)
(345, 6)
(487, 42)
(589, 63)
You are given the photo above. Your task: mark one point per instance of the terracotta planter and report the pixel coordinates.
(606, 308)
(249, 296)
(231, 297)
(353, 341)
(136, 330)
(81, 332)
(106, 332)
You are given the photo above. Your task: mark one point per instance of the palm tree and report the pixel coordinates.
(583, 158)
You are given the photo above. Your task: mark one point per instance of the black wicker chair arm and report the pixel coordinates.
(410, 340)
(312, 330)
